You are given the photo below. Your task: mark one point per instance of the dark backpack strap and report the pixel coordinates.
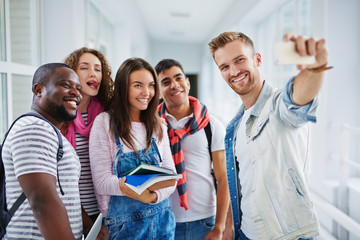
(59, 155)
(209, 139)
(17, 204)
(60, 151)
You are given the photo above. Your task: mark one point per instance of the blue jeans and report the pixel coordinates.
(244, 237)
(195, 229)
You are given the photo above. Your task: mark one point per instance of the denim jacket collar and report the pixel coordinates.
(265, 93)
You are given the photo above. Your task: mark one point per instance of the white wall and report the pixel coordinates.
(130, 38)
(189, 55)
(339, 96)
(338, 22)
(63, 27)
(64, 30)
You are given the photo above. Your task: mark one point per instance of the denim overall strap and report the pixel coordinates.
(126, 216)
(154, 145)
(119, 151)
(153, 151)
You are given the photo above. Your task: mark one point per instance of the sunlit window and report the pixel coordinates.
(21, 94)
(19, 56)
(99, 30)
(294, 16)
(2, 31)
(24, 26)
(3, 105)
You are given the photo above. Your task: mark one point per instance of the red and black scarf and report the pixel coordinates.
(199, 121)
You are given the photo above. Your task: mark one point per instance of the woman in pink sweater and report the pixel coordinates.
(96, 89)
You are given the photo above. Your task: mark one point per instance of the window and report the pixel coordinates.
(2, 31)
(98, 30)
(21, 94)
(19, 56)
(24, 26)
(3, 105)
(294, 16)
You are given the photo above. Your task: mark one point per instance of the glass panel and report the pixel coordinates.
(105, 37)
(92, 25)
(287, 18)
(99, 31)
(21, 94)
(25, 34)
(294, 16)
(2, 31)
(3, 106)
(305, 17)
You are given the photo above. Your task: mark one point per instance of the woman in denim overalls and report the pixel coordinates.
(132, 131)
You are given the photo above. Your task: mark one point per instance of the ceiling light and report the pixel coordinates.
(180, 14)
(177, 33)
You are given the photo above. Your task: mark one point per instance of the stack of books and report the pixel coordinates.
(146, 176)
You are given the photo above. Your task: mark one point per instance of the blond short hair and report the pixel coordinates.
(227, 37)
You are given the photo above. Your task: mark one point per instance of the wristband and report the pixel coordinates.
(320, 68)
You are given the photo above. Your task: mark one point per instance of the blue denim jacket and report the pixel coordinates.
(277, 134)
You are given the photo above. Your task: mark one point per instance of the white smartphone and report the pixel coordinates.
(284, 53)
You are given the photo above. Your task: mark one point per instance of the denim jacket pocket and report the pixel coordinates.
(258, 127)
(261, 121)
(298, 186)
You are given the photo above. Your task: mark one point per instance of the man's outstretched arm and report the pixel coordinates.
(308, 82)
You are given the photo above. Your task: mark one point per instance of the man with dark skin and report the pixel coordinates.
(46, 212)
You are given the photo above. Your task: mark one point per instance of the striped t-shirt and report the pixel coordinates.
(87, 194)
(31, 147)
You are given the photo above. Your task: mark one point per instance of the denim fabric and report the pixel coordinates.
(243, 236)
(277, 134)
(130, 219)
(194, 230)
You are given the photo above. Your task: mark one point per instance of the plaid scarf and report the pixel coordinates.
(199, 121)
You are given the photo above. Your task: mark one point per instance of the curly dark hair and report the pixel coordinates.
(106, 90)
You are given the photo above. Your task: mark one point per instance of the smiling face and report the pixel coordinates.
(90, 74)
(141, 91)
(174, 87)
(61, 96)
(239, 67)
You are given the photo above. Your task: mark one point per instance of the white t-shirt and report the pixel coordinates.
(200, 184)
(31, 147)
(246, 175)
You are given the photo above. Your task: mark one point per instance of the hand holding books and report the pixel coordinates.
(145, 178)
(145, 197)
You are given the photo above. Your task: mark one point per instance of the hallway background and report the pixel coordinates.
(33, 32)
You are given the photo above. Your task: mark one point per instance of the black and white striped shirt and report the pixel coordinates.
(87, 194)
(31, 147)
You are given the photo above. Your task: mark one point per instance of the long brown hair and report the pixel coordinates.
(120, 120)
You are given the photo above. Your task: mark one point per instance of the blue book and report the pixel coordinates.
(138, 183)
